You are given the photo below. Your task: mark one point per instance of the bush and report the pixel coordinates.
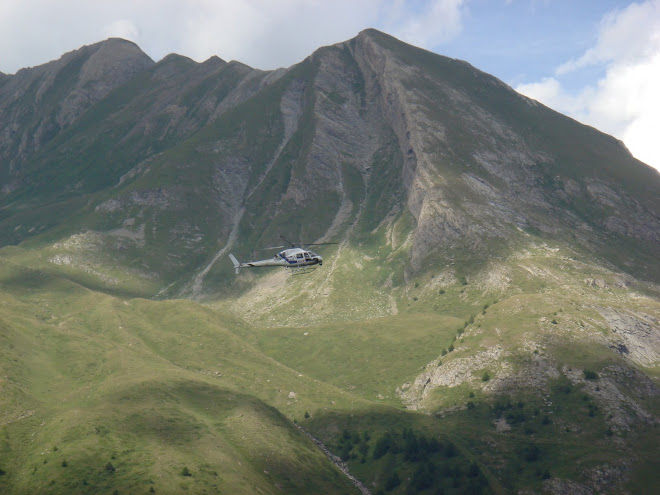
(485, 377)
(531, 453)
(392, 482)
(383, 445)
(110, 468)
(590, 375)
(470, 405)
(306, 415)
(185, 471)
(473, 470)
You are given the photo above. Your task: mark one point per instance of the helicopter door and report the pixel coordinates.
(307, 257)
(299, 258)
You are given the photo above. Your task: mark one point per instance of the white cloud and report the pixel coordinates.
(631, 34)
(436, 22)
(625, 102)
(122, 28)
(262, 33)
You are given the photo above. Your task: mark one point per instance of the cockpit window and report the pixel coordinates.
(307, 255)
(299, 255)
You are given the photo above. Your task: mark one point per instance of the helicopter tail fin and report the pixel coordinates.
(237, 265)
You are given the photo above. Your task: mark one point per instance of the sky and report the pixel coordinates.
(597, 61)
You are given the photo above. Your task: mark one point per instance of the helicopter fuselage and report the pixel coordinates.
(289, 258)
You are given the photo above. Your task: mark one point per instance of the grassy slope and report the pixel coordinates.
(509, 304)
(90, 380)
(153, 387)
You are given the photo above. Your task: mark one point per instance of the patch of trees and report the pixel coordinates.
(517, 413)
(413, 462)
(352, 445)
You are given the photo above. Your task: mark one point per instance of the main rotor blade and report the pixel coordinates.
(271, 247)
(320, 243)
(287, 241)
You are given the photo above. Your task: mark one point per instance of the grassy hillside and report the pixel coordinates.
(102, 394)
(473, 385)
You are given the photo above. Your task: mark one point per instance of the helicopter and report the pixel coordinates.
(297, 258)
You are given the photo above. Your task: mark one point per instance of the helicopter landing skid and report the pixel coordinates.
(302, 270)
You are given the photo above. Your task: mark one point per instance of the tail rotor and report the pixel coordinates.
(237, 265)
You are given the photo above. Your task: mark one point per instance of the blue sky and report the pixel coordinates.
(521, 41)
(595, 60)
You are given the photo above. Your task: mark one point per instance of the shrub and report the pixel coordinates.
(64, 463)
(485, 377)
(110, 468)
(590, 375)
(306, 415)
(451, 347)
(185, 471)
(470, 405)
(383, 445)
(441, 291)
(473, 470)
(531, 453)
(392, 482)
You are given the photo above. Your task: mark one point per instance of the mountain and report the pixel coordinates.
(489, 320)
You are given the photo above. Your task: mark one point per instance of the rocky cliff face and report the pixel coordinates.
(36, 104)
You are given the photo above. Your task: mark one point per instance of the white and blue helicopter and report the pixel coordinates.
(299, 259)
